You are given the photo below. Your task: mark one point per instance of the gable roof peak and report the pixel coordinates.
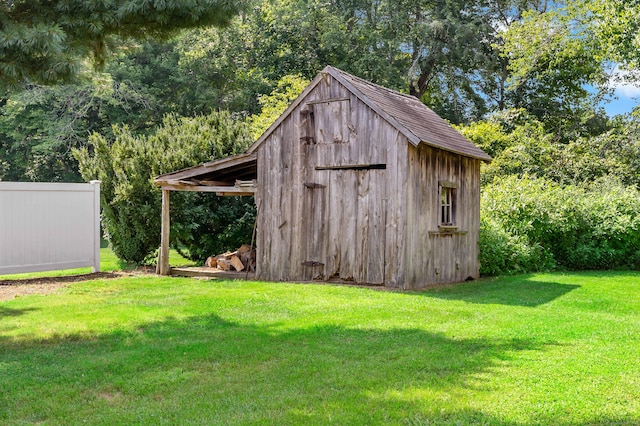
(332, 70)
(405, 112)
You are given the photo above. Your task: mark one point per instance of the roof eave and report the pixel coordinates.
(208, 167)
(486, 158)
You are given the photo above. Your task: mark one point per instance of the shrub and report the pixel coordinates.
(505, 253)
(597, 227)
(131, 203)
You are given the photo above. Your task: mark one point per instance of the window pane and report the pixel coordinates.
(446, 205)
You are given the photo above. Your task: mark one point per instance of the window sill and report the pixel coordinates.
(448, 227)
(448, 230)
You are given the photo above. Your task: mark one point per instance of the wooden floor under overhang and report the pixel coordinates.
(204, 272)
(214, 273)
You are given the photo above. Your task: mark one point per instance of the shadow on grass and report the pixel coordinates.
(516, 291)
(9, 312)
(206, 369)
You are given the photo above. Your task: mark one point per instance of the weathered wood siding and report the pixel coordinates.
(342, 194)
(434, 255)
(320, 216)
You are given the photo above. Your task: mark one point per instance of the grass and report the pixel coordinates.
(541, 349)
(108, 262)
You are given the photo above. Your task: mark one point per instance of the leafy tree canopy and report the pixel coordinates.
(562, 61)
(45, 41)
(274, 104)
(521, 145)
(40, 125)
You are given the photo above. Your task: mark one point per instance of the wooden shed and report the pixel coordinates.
(356, 182)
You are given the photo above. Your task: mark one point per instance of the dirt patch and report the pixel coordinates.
(9, 289)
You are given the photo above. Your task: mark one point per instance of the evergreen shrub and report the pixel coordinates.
(201, 224)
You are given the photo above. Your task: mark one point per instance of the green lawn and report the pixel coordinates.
(108, 262)
(547, 349)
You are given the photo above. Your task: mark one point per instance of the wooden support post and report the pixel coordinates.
(163, 256)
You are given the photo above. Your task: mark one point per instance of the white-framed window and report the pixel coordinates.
(448, 200)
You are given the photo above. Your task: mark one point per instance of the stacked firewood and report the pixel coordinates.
(240, 260)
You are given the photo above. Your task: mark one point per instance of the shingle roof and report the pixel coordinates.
(241, 166)
(410, 115)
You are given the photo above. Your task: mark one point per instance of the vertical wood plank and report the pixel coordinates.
(372, 199)
(347, 212)
(363, 246)
(163, 255)
(296, 183)
(334, 219)
(396, 197)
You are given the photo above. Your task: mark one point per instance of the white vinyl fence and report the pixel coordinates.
(49, 226)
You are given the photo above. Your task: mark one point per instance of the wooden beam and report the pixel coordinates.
(227, 190)
(199, 170)
(183, 182)
(322, 101)
(246, 183)
(214, 183)
(236, 193)
(163, 256)
(354, 167)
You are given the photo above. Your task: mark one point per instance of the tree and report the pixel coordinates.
(430, 49)
(520, 145)
(45, 41)
(551, 68)
(164, 74)
(615, 24)
(40, 125)
(274, 104)
(439, 51)
(564, 60)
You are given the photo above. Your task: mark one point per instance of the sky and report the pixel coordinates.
(626, 96)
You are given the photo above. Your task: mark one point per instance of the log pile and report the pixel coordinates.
(240, 260)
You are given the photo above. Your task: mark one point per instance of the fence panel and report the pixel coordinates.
(49, 226)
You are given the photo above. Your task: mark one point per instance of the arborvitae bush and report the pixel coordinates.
(131, 203)
(531, 224)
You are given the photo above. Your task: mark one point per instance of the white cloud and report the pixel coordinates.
(628, 90)
(625, 83)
